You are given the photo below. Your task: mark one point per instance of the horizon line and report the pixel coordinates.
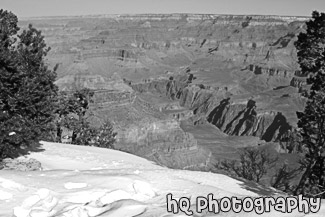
(181, 13)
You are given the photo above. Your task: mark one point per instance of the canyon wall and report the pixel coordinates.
(240, 118)
(165, 143)
(236, 75)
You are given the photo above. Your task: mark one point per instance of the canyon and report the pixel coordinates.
(183, 90)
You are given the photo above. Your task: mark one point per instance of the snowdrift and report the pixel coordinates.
(80, 181)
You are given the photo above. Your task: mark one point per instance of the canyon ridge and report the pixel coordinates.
(184, 90)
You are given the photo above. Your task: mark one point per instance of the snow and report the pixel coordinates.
(72, 185)
(5, 195)
(9, 184)
(82, 181)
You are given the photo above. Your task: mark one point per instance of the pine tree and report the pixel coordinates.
(74, 114)
(311, 57)
(71, 112)
(28, 94)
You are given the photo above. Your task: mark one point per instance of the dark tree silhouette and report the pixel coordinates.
(253, 164)
(311, 56)
(74, 114)
(28, 94)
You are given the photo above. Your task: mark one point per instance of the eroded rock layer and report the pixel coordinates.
(183, 90)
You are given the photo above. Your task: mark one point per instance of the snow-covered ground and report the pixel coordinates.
(81, 181)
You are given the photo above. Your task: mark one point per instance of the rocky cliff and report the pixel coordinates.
(166, 143)
(146, 130)
(232, 116)
(244, 120)
(230, 75)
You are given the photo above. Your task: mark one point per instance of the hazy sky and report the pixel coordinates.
(32, 8)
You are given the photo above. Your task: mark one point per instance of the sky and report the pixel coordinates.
(36, 8)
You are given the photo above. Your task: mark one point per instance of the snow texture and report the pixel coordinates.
(80, 181)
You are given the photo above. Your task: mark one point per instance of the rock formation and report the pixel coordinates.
(20, 164)
(166, 143)
(228, 74)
